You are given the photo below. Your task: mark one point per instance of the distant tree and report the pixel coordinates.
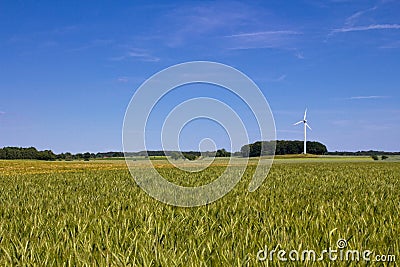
(222, 153)
(268, 148)
(189, 156)
(363, 153)
(68, 156)
(316, 148)
(17, 153)
(245, 151)
(255, 149)
(237, 154)
(46, 155)
(384, 157)
(281, 147)
(175, 155)
(30, 152)
(86, 156)
(374, 157)
(208, 154)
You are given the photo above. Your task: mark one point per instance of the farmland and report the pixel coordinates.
(93, 213)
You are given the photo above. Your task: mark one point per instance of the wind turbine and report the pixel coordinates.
(305, 129)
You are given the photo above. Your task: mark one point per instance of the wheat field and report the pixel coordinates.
(94, 214)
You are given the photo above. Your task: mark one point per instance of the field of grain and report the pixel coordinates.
(93, 213)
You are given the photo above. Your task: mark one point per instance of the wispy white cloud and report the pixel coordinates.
(138, 54)
(144, 56)
(65, 29)
(237, 26)
(94, 43)
(367, 28)
(368, 97)
(299, 55)
(275, 78)
(2, 113)
(123, 79)
(279, 79)
(391, 45)
(361, 20)
(192, 23)
(264, 33)
(351, 20)
(262, 39)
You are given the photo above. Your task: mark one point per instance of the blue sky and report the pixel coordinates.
(68, 70)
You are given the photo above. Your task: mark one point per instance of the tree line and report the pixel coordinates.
(26, 153)
(260, 148)
(190, 155)
(363, 153)
(33, 153)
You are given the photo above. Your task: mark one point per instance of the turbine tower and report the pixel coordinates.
(305, 130)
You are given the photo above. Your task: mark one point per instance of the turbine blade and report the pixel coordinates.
(305, 114)
(298, 122)
(308, 126)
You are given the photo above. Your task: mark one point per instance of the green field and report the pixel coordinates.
(93, 213)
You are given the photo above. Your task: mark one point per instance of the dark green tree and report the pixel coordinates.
(68, 156)
(189, 156)
(222, 153)
(281, 147)
(86, 156)
(176, 155)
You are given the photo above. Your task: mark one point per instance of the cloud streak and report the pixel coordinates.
(138, 54)
(350, 21)
(264, 33)
(279, 79)
(123, 79)
(203, 20)
(367, 97)
(144, 56)
(262, 39)
(367, 28)
(392, 45)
